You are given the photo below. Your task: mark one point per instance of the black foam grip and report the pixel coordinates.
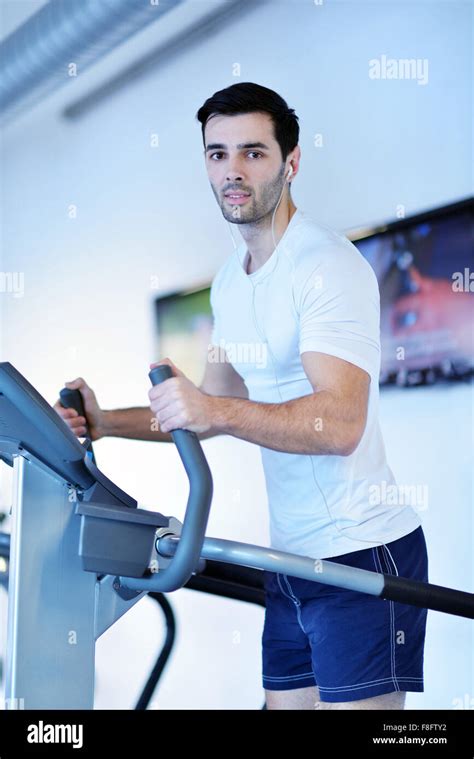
(428, 596)
(160, 373)
(72, 399)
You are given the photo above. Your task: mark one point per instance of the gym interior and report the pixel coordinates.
(108, 220)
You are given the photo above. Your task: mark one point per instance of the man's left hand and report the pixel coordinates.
(178, 404)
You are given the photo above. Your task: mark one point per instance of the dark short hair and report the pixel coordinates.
(247, 97)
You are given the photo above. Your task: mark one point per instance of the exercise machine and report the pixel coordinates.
(82, 553)
(218, 579)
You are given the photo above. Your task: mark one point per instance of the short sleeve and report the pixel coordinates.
(215, 335)
(338, 304)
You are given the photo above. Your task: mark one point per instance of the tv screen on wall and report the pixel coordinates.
(425, 269)
(184, 330)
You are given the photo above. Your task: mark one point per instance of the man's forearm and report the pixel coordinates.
(320, 423)
(132, 423)
(137, 424)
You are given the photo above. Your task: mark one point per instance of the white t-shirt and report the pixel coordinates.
(316, 292)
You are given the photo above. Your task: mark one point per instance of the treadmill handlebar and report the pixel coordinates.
(73, 399)
(188, 553)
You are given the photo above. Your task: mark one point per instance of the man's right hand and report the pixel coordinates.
(95, 415)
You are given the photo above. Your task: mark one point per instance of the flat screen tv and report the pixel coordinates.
(184, 322)
(425, 269)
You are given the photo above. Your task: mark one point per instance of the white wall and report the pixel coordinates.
(429, 439)
(87, 306)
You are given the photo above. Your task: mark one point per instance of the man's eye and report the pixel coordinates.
(217, 156)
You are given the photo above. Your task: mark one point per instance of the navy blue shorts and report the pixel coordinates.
(351, 645)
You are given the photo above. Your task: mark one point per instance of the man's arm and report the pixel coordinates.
(331, 420)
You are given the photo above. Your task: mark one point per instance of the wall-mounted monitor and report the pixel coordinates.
(425, 269)
(184, 322)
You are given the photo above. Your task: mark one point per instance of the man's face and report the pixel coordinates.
(244, 165)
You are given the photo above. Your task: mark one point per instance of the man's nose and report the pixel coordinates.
(234, 172)
(234, 176)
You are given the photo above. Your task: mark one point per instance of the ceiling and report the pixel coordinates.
(14, 12)
(179, 25)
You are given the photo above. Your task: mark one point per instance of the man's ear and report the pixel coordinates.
(294, 159)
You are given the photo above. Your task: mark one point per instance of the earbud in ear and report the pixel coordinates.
(290, 173)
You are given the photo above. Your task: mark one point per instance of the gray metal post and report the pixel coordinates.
(51, 600)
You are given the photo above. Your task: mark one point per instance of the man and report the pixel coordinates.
(308, 303)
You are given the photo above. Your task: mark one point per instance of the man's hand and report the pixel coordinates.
(178, 404)
(95, 415)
